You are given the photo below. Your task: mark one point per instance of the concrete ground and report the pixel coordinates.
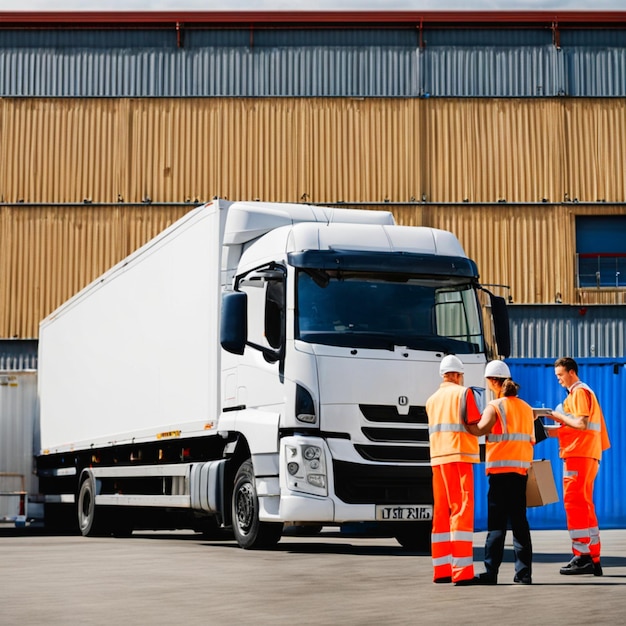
(168, 578)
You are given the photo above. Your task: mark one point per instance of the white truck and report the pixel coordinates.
(257, 366)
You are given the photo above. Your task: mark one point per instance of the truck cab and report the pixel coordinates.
(333, 333)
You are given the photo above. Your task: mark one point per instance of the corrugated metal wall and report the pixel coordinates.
(539, 387)
(19, 436)
(319, 150)
(227, 66)
(540, 331)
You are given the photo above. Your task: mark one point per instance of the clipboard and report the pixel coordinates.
(540, 428)
(540, 431)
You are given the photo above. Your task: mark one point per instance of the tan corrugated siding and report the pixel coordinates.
(596, 159)
(321, 150)
(50, 253)
(62, 150)
(318, 149)
(491, 150)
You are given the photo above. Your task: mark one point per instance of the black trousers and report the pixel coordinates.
(506, 502)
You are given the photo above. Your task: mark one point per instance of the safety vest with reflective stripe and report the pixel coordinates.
(509, 445)
(590, 443)
(449, 441)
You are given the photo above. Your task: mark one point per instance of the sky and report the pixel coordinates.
(312, 5)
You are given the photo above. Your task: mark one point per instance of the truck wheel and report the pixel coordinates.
(88, 525)
(250, 533)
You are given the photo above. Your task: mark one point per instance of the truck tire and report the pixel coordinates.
(250, 533)
(89, 524)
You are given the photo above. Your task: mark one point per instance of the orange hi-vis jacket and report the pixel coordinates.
(509, 445)
(448, 408)
(581, 401)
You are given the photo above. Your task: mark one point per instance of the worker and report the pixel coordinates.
(508, 424)
(582, 439)
(453, 451)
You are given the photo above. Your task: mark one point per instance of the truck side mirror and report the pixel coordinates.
(234, 322)
(500, 315)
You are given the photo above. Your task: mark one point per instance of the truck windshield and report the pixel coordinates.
(384, 310)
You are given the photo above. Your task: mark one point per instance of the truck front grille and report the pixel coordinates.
(394, 454)
(379, 430)
(389, 413)
(373, 484)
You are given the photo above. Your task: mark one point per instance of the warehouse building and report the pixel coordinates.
(507, 128)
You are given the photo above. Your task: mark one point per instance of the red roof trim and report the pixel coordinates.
(91, 19)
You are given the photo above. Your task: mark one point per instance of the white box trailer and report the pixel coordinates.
(257, 365)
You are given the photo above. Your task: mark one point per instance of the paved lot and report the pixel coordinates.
(168, 578)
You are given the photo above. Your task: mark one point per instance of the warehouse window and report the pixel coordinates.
(601, 250)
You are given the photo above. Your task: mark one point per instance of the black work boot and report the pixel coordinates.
(578, 565)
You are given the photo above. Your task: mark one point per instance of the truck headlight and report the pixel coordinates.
(317, 480)
(312, 452)
(306, 466)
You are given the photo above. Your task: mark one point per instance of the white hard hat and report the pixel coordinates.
(497, 369)
(450, 363)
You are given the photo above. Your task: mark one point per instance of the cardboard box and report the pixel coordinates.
(541, 489)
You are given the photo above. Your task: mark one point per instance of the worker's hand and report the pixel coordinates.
(557, 417)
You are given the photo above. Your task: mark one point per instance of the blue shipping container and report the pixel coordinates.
(539, 387)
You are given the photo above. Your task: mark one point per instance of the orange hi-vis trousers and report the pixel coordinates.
(453, 521)
(579, 474)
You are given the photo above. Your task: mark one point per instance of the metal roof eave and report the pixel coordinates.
(309, 19)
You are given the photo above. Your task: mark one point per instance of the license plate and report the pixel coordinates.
(404, 513)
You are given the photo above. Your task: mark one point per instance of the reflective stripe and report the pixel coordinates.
(523, 464)
(510, 449)
(446, 428)
(581, 547)
(581, 533)
(570, 473)
(449, 441)
(471, 456)
(509, 437)
(442, 560)
(463, 561)
(440, 537)
(462, 535)
(593, 426)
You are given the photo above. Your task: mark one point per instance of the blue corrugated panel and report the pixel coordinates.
(539, 387)
(596, 72)
(18, 354)
(578, 331)
(218, 72)
(151, 65)
(494, 72)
